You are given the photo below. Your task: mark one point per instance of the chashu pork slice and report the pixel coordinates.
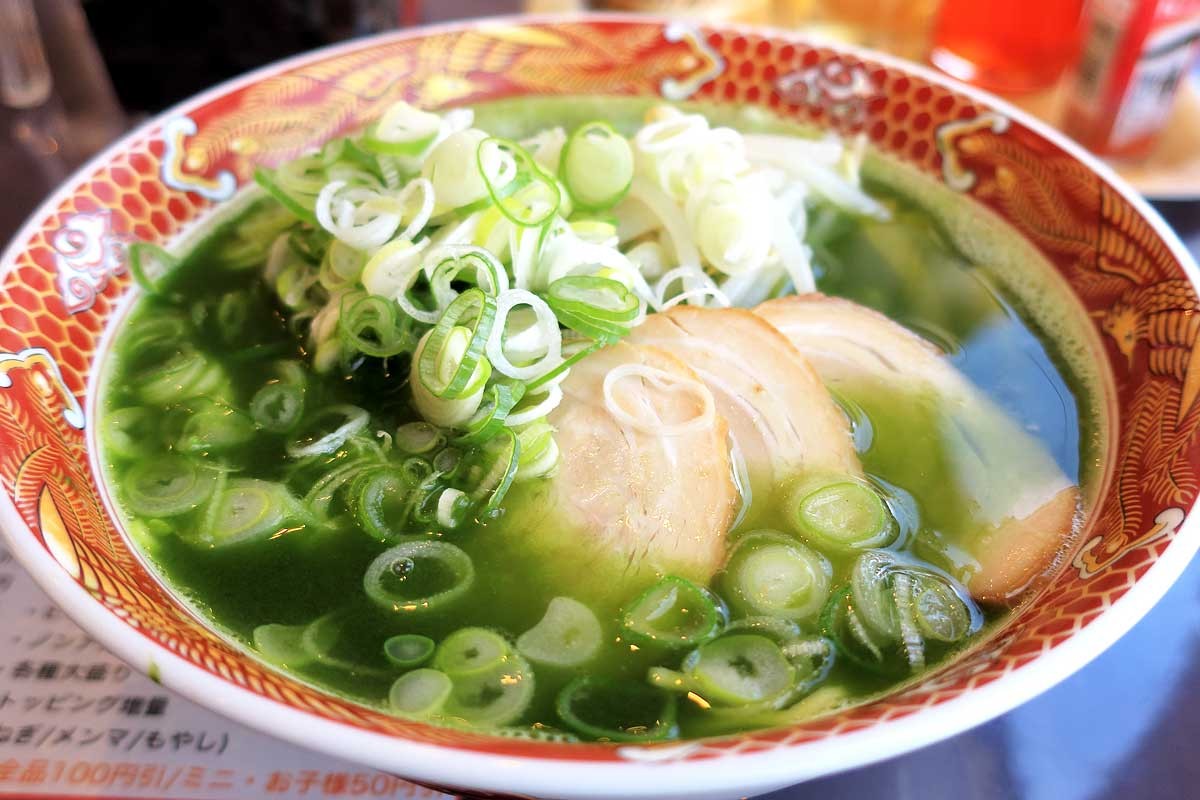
(781, 417)
(629, 501)
(1020, 508)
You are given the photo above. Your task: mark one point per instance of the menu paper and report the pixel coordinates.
(77, 722)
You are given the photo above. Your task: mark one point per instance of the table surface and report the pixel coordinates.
(1127, 722)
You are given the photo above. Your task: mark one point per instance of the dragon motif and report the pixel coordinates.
(279, 117)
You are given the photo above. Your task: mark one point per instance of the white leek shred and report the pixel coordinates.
(356, 419)
(362, 217)
(549, 401)
(445, 506)
(645, 418)
(712, 218)
(550, 337)
(541, 466)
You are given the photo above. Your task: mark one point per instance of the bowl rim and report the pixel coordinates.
(450, 765)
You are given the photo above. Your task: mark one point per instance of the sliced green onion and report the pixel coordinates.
(772, 575)
(249, 509)
(568, 635)
(846, 515)
(215, 428)
(499, 399)
(347, 152)
(942, 612)
(566, 364)
(471, 651)
(383, 503)
(489, 274)
(674, 613)
(320, 639)
(530, 197)
(597, 166)
(777, 629)
(420, 694)
(495, 696)
(596, 231)
(740, 669)
(233, 311)
(419, 576)
(330, 485)
(538, 448)
(408, 650)
(151, 266)
(492, 471)
(841, 623)
(248, 243)
(325, 436)
(278, 407)
(299, 204)
(871, 590)
(453, 168)
(454, 380)
(418, 438)
(166, 487)
(599, 308)
(403, 130)
(668, 680)
(617, 711)
(813, 657)
(147, 343)
(453, 505)
(281, 645)
(373, 325)
(184, 375)
(128, 432)
(341, 265)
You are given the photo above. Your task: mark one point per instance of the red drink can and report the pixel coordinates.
(1136, 53)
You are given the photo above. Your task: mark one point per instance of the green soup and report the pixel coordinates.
(215, 433)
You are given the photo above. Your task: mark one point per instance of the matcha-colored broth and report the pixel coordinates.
(906, 267)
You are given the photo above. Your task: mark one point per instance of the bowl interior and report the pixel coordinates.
(65, 277)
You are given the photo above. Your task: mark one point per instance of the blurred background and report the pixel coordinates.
(1112, 73)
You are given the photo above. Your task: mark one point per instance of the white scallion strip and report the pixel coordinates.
(451, 261)
(731, 221)
(662, 381)
(402, 123)
(324, 323)
(525, 247)
(391, 272)
(356, 420)
(649, 258)
(672, 131)
(768, 148)
(794, 255)
(670, 216)
(359, 216)
(695, 285)
(547, 323)
(445, 506)
(424, 210)
(541, 466)
(546, 147)
(552, 397)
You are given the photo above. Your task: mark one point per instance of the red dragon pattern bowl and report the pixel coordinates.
(64, 278)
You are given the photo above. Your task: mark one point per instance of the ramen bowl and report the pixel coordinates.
(64, 283)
